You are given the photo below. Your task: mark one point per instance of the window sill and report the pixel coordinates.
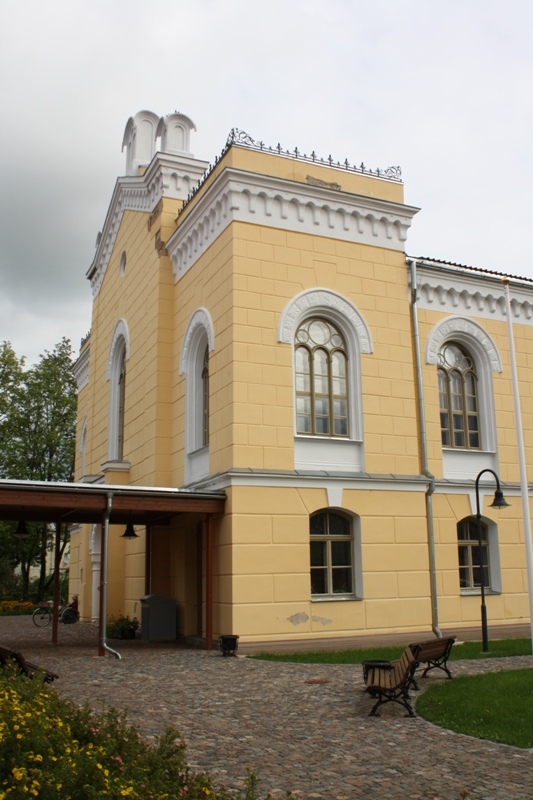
(327, 598)
(477, 592)
(315, 437)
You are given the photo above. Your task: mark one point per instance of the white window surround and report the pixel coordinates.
(356, 556)
(495, 577)
(119, 352)
(323, 452)
(462, 464)
(199, 335)
(83, 446)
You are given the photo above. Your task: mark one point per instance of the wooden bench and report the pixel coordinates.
(25, 667)
(435, 654)
(390, 682)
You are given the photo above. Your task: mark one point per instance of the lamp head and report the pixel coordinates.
(22, 532)
(499, 500)
(129, 533)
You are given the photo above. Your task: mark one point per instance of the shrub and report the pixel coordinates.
(13, 607)
(121, 627)
(51, 748)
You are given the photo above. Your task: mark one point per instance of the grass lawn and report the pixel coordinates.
(497, 706)
(497, 649)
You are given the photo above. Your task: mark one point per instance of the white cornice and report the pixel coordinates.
(81, 369)
(363, 481)
(237, 196)
(471, 294)
(167, 176)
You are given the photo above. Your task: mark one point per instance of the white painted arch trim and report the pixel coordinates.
(467, 332)
(121, 333)
(200, 319)
(312, 302)
(457, 462)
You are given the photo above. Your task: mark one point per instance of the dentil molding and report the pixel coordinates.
(167, 176)
(81, 369)
(472, 294)
(238, 196)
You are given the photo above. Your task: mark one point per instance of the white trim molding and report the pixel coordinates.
(199, 334)
(470, 293)
(237, 196)
(81, 368)
(462, 330)
(167, 176)
(320, 452)
(200, 319)
(311, 302)
(121, 332)
(459, 463)
(83, 445)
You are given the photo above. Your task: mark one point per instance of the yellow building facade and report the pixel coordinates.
(258, 328)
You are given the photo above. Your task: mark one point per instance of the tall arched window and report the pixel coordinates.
(116, 375)
(321, 379)
(198, 344)
(120, 409)
(458, 398)
(205, 398)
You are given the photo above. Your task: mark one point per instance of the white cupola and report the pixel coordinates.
(139, 141)
(175, 131)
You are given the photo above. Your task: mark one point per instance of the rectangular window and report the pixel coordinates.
(473, 561)
(332, 572)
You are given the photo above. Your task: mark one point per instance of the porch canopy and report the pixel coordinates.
(107, 504)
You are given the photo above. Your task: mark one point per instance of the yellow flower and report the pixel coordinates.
(17, 773)
(38, 757)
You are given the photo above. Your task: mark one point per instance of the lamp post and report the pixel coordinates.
(498, 502)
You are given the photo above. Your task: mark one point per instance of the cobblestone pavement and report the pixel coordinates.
(300, 727)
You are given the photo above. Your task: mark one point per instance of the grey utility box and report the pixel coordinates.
(158, 618)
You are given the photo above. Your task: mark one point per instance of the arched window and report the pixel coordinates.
(458, 398)
(198, 343)
(332, 555)
(328, 335)
(471, 560)
(121, 391)
(321, 372)
(205, 398)
(116, 375)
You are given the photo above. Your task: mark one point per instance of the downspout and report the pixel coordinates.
(424, 456)
(103, 647)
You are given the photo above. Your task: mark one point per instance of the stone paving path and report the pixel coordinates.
(314, 738)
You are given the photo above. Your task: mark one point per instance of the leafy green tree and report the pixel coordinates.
(37, 435)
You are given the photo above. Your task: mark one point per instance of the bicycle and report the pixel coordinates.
(42, 616)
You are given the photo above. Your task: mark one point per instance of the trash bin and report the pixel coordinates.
(158, 618)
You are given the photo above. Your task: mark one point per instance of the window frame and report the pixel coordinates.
(355, 566)
(312, 350)
(465, 413)
(494, 584)
(119, 353)
(198, 344)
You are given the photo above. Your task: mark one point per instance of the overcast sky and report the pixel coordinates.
(445, 90)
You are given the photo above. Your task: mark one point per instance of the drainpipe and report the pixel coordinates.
(424, 456)
(103, 647)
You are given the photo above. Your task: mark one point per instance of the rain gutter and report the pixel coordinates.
(424, 457)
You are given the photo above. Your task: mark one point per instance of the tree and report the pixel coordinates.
(38, 431)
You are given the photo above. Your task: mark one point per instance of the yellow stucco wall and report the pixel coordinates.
(262, 582)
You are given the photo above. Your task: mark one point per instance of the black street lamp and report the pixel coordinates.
(498, 502)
